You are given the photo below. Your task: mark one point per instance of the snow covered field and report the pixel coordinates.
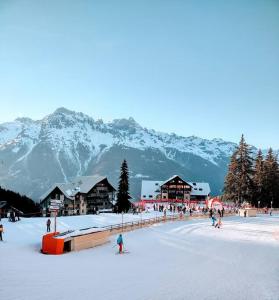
(176, 260)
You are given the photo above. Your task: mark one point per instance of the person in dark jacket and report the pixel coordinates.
(48, 225)
(1, 232)
(120, 243)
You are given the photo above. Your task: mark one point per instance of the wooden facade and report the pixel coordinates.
(176, 189)
(81, 198)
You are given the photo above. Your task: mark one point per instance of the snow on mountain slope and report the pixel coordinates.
(65, 131)
(66, 144)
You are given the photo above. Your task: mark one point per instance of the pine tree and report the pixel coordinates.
(230, 187)
(239, 180)
(271, 180)
(244, 162)
(123, 204)
(258, 179)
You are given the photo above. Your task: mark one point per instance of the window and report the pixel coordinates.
(194, 183)
(195, 189)
(164, 197)
(200, 189)
(150, 196)
(144, 196)
(156, 183)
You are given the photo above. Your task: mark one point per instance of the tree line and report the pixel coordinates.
(22, 203)
(255, 180)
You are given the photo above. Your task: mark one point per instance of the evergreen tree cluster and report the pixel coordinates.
(22, 203)
(123, 197)
(253, 180)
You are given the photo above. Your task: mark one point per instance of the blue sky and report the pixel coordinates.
(204, 68)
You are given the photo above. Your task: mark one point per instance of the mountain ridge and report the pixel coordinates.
(65, 144)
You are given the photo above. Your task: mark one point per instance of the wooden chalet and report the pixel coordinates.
(84, 195)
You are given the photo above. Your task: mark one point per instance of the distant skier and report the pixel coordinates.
(222, 211)
(120, 243)
(1, 232)
(48, 225)
(245, 213)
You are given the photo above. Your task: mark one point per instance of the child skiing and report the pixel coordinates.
(120, 243)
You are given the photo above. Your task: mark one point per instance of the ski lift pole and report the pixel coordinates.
(55, 215)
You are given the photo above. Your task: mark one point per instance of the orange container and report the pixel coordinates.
(51, 245)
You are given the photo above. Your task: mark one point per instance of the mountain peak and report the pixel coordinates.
(124, 124)
(24, 120)
(64, 110)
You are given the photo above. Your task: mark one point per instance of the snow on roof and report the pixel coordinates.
(3, 204)
(200, 188)
(150, 187)
(81, 184)
(171, 178)
(153, 188)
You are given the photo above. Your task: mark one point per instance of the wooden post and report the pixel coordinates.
(55, 215)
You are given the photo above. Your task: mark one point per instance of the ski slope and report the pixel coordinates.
(177, 260)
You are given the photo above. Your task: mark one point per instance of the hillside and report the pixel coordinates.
(65, 144)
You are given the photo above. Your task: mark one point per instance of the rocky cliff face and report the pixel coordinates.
(66, 144)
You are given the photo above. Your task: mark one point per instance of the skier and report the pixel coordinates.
(223, 210)
(1, 231)
(48, 225)
(245, 213)
(120, 243)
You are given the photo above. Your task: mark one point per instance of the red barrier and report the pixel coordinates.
(51, 245)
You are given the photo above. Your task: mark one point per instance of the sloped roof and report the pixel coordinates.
(3, 204)
(200, 188)
(81, 184)
(174, 176)
(149, 187)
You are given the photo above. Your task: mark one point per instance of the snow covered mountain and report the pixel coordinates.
(66, 144)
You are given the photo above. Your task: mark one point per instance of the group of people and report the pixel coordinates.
(13, 216)
(220, 214)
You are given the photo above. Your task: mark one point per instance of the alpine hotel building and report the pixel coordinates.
(174, 190)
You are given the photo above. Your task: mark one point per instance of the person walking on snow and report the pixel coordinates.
(48, 225)
(1, 232)
(120, 243)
